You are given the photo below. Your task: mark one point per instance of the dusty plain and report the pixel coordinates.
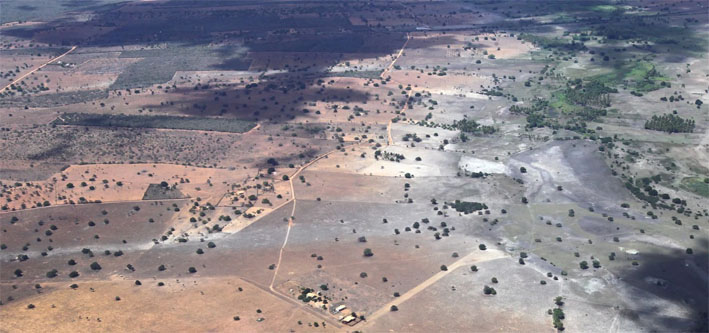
(386, 166)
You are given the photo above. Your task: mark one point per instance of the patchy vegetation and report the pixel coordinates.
(169, 122)
(348, 166)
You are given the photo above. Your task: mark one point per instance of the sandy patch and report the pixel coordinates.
(472, 164)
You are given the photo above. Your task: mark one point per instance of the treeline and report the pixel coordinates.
(670, 123)
(643, 189)
(537, 105)
(552, 43)
(394, 157)
(472, 126)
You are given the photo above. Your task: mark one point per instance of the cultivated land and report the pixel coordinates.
(349, 166)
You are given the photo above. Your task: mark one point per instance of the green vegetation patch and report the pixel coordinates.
(585, 100)
(569, 108)
(472, 126)
(468, 207)
(638, 193)
(552, 43)
(562, 103)
(604, 8)
(640, 75)
(670, 123)
(159, 121)
(696, 185)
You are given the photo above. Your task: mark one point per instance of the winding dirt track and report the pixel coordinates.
(38, 68)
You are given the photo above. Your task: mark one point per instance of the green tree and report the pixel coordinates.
(368, 252)
(489, 291)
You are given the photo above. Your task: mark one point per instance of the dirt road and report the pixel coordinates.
(292, 214)
(292, 217)
(398, 55)
(472, 258)
(38, 68)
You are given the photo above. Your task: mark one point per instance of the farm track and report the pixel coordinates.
(398, 55)
(291, 222)
(294, 200)
(471, 258)
(38, 68)
(294, 302)
(390, 139)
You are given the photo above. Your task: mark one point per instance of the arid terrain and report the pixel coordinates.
(354, 166)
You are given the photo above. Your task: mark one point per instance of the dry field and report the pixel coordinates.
(460, 167)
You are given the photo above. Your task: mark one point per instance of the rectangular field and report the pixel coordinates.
(160, 121)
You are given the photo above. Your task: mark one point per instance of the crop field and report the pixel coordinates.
(310, 166)
(158, 65)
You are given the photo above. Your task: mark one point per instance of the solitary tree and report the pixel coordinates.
(559, 301)
(489, 291)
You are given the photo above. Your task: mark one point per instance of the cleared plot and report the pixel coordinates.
(169, 122)
(160, 69)
(215, 305)
(159, 192)
(328, 238)
(75, 226)
(519, 305)
(50, 149)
